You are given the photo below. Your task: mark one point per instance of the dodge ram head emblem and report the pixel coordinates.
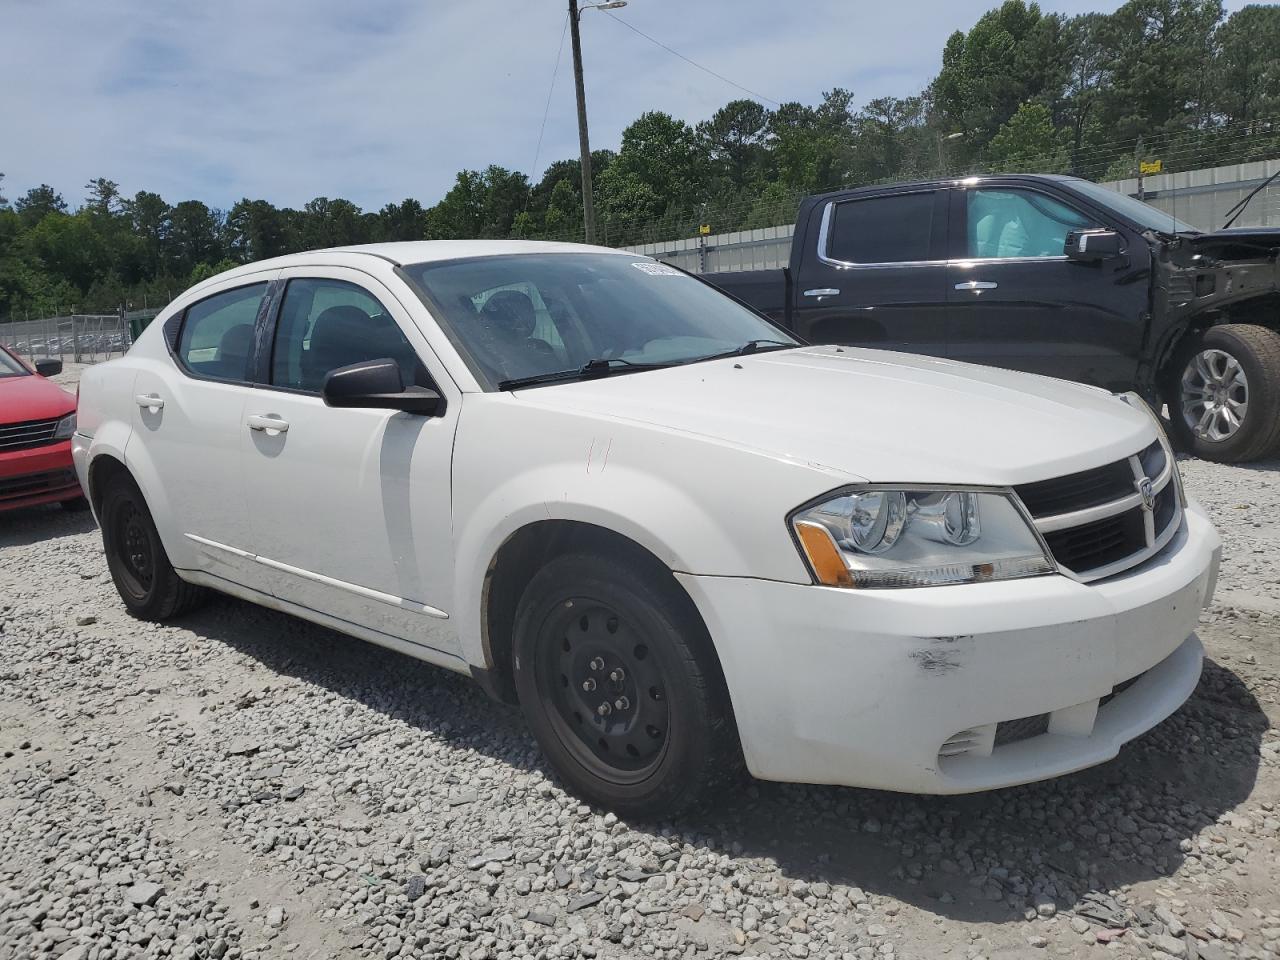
(1147, 494)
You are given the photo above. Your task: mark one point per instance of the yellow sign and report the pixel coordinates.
(1150, 166)
(704, 230)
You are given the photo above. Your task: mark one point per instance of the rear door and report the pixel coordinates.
(1018, 302)
(876, 276)
(351, 508)
(187, 424)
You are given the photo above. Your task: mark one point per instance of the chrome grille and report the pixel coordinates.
(33, 433)
(1107, 519)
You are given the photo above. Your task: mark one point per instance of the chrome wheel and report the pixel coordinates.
(1215, 395)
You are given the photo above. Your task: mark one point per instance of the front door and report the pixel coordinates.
(351, 508)
(187, 429)
(877, 276)
(1016, 301)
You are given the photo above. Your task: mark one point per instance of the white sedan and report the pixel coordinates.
(679, 539)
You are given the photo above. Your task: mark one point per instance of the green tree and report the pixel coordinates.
(1246, 75)
(38, 203)
(256, 230)
(1012, 54)
(193, 237)
(1028, 142)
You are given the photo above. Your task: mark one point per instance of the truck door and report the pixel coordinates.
(1017, 302)
(876, 276)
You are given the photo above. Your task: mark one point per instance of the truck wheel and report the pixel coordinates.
(615, 677)
(1224, 393)
(144, 578)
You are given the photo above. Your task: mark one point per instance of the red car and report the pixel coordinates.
(37, 418)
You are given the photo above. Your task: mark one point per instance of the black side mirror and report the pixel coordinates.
(1092, 246)
(378, 384)
(48, 368)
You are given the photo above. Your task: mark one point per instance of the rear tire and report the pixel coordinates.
(143, 575)
(1223, 393)
(616, 676)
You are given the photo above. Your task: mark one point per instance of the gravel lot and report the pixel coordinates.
(247, 785)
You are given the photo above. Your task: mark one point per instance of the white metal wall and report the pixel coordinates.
(1199, 197)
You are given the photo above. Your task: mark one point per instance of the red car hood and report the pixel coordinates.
(33, 398)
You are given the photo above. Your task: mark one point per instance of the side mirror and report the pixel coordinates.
(1092, 246)
(48, 368)
(377, 384)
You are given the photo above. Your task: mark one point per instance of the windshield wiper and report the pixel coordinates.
(598, 367)
(750, 347)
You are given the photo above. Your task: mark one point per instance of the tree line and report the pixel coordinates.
(1093, 94)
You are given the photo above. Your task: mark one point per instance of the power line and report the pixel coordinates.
(692, 63)
(546, 110)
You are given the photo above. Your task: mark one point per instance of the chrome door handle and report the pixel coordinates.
(822, 292)
(268, 424)
(149, 401)
(977, 285)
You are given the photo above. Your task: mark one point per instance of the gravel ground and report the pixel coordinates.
(247, 785)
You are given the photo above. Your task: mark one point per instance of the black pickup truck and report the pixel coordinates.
(1052, 275)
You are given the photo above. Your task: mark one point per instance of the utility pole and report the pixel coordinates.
(588, 205)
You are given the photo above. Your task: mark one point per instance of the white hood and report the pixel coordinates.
(877, 416)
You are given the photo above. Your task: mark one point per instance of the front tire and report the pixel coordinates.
(1223, 393)
(143, 575)
(616, 677)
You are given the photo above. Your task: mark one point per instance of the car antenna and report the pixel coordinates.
(1234, 213)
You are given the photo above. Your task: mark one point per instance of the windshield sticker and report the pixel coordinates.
(656, 269)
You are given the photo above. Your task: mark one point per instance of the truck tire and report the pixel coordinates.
(145, 579)
(1223, 393)
(617, 680)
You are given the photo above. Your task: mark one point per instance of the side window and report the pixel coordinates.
(217, 333)
(1018, 223)
(893, 229)
(326, 324)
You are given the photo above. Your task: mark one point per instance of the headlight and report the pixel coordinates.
(876, 537)
(66, 427)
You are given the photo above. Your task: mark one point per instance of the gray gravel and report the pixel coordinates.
(247, 785)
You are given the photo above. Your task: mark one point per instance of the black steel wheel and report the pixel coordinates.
(618, 679)
(606, 689)
(140, 568)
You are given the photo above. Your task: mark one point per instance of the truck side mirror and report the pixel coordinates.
(1092, 246)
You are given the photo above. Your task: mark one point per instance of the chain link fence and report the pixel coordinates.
(80, 338)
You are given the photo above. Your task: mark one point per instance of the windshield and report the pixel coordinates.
(11, 366)
(530, 315)
(1144, 215)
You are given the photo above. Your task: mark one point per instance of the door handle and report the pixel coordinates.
(822, 292)
(149, 401)
(977, 285)
(271, 425)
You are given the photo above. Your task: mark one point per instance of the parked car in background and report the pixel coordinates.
(37, 418)
(676, 536)
(1052, 275)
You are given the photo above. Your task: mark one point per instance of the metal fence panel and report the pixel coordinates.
(82, 338)
(1199, 197)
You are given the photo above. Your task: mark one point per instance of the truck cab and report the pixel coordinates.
(1051, 275)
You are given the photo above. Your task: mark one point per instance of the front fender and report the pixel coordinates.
(699, 506)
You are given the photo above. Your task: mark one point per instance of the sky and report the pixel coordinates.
(379, 100)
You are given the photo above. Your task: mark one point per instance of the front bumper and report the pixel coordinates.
(43, 474)
(916, 690)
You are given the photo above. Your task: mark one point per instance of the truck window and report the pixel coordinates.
(894, 229)
(1018, 223)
